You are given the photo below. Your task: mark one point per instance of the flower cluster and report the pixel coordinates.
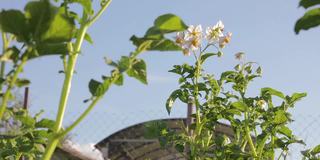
(190, 40)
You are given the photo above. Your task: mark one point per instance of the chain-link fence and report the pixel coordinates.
(102, 123)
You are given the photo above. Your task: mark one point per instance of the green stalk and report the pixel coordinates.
(196, 90)
(80, 118)
(103, 8)
(248, 136)
(272, 144)
(5, 45)
(6, 95)
(247, 130)
(196, 101)
(54, 140)
(280, 155)
(262, 145)
(84, 114)
(243, 146)
(18, 156)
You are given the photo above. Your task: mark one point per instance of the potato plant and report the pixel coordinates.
(44, 28)
(259, 123)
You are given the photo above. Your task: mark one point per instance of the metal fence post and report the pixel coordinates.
(25, 105)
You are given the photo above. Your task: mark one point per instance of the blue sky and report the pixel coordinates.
(261, 29)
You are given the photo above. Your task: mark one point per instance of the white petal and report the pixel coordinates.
(220, 24)
(198, 28)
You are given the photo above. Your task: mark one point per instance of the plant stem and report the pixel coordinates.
(80, 118)
(5, 44)
(272, 145)
(243, 146)
(248, 136)
(196, 102)
(261, 146)
(280, 155)
(18, 156)
(54, 140)
(6, 95)
(103, 8)
(196, 90)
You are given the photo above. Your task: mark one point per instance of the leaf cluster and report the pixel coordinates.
(23, 135)
(311, 18)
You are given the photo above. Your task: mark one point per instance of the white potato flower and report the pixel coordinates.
(225, 40)
(181, 38)
(262, 104)
(194, 32)
(195, 43)
(183, 42)
(213, 34)
(189, 40)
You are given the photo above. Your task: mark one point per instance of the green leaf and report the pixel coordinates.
(172, 98)
(272, 91)
(27, 120)
(47, 49)
(22, 82)
(205, 56)
(39, 14)
(138, 70)
(309, 20)
(240, 106)
(119, 81)
(170, 23)
(154, 33)
(308, 3)
(176, 69)
(124, 63)
(297, 96)
(94, 87)
(86, 4)
(61, 29)
(88, 38)
(280, 117)
(315, 150)
(97, 88)
(40, 136)
(49, 23)
(155, 45)
(285, 131)
(45, 123)
(11, 54)
(234, 111)
(225, 75)
(14, 21)
(25, 147)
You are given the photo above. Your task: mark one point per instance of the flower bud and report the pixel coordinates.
(239, 56)
(248, 69)
(237, 67)
(262, 104)
(259, 71)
